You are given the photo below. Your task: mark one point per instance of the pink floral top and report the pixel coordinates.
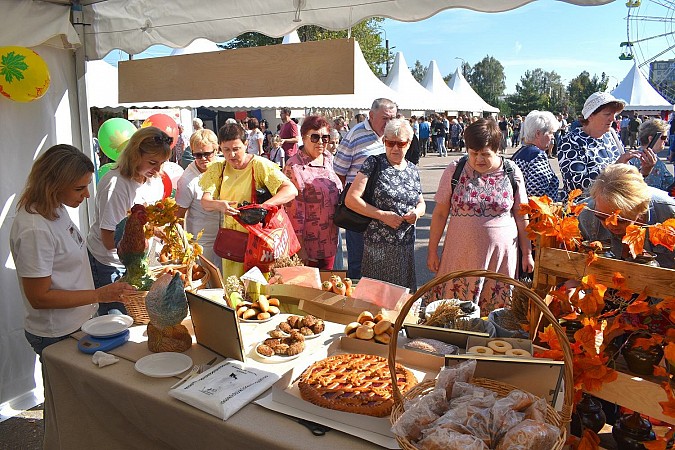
(312, 210)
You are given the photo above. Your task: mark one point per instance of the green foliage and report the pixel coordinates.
(12, 66)
(539, 90)
(366, 33)
(581, 87)
(418, 71)
(487, 78)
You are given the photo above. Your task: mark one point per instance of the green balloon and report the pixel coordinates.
(113, 136)
(103, 170)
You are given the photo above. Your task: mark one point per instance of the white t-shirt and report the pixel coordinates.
(114, 198)
(42, 248)
(253, 144)
(189, 195)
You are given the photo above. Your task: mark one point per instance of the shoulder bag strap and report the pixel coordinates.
(458, 172)
(369, 191)
(508, 169)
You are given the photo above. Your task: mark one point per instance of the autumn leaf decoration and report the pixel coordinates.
(659, 234)
(550, 219)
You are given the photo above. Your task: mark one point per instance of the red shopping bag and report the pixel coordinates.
(269, 240)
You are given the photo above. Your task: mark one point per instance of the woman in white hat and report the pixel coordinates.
(585, 151)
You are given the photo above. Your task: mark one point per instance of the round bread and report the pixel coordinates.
(499, 346)
(365, 316)
(249, 314)
(378, 317)
(383, 338)
(518, 352)
(382, 326)
(349, 329)
(263, 304)
(273, 301)
(241, 309)
(273, 310)
(480, 350)
(369, 324)
(364, 332)
(263, 316)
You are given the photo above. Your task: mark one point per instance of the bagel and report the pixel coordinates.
(499, 346)
(480, 350)
(518, 352)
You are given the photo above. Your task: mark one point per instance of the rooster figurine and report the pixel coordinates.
(132, 248)
(167, 307)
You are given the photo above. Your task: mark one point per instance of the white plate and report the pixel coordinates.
(107, 326)
(165, 364)
(275, 359)
(306, 337)
(256, 320)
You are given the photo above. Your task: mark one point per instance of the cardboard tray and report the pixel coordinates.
(447, 335)
(523, 344)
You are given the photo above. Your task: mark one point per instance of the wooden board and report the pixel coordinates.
(270, 71)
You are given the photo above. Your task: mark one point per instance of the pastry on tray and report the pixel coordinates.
(353, 383)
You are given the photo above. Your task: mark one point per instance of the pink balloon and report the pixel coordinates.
(174, 171)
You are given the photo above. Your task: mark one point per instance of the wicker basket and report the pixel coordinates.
(501, 389)
(135, 304)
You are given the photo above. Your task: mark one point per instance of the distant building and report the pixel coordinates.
(662, 77)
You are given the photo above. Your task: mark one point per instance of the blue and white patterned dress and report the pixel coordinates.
(582, 158)
(539, 176)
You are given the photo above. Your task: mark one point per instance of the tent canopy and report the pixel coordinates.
(639, 94)
(433, 82)
(411, 94)
(463, 89)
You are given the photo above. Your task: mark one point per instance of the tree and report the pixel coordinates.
(581, 87)
(539, 90)
(487, 78)
(366, 33)
(418, 71)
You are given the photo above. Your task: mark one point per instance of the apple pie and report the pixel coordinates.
(354, 383)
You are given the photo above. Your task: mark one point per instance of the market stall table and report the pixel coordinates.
(116, 407)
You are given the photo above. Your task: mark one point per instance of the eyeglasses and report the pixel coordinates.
(604, 216)
(205, 155)
(163, 139)
(314, 138)
(398, 144)
(664, 137)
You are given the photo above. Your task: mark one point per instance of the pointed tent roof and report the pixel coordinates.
(291, 38)
(639, 94)
(461, 87)
(199, 45)
(433, 82)
(412, 95)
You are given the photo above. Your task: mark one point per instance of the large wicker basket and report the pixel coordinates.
(501, 389)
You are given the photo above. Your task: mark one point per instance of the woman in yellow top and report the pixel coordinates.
(228, 183)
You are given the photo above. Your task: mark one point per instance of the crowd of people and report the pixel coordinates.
(305, 166)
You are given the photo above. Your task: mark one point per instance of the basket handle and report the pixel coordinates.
(568, 394)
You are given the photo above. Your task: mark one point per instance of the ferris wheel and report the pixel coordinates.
(650, 42)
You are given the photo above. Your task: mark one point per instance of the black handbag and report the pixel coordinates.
(348, 219)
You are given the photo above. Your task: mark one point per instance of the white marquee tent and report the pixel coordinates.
(639, 94)
(463, 89)
(411, 94)
(64, 38)
(434, 83)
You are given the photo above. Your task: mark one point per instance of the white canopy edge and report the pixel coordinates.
(639, 94)
(30, 23)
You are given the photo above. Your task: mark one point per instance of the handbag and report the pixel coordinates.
(351, 220)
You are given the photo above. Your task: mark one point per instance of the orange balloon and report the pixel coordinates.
(24, 75)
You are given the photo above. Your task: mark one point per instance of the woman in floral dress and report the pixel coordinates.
(397, 204)
(485, 229)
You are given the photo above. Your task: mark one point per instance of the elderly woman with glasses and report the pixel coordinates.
(134, 179)
(621, 187)
(654, 171)
(204, 145)
(397, 204)
(311, 212)
(537, 134)
(228, 183)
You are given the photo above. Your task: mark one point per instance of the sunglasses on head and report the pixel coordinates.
(398, 144)
(163, 139)
(205, 155)
(314, 138)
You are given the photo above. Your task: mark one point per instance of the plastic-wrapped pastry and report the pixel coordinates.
(432, 346)
(418, 416)
(501, 421)
(536, 411)
(444, 439)
(449, 375)
(529, 435)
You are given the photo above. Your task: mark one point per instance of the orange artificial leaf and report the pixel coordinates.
(667, 304)
(638, 307)
(589, 441)
(586, 336)
(613, 219)
(660, 372)
(669, 352)
(659, 444)
(589, 296)
(668, 406)
(618, 280)
(663, 234)
(591, 257)
(549, 337)
(571, 316)
(647, 343)
(635, 239)
(567, 231)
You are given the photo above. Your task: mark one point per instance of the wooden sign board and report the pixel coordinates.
(308, 68)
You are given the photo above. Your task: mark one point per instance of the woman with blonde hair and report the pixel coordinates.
(135, 179)
(621, 187)
(50, 253)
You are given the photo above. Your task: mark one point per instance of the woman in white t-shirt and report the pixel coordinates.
(134, 180)
(255, 138)
(49, 252)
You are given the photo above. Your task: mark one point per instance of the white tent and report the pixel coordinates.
(639, 94)
(411, 94)
(463, 89)
(64, 37)
(433, 82)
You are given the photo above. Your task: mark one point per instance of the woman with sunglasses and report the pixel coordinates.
(653, 170)
(226, 184)
(397, 204)
(485, 230)
(311, 212)
(135, 179)
(204, 144)
(621, 187)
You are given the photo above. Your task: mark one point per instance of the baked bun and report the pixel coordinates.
(364, 332)
(383, 338)
(382, 326)
(349, 329)
(365, 316)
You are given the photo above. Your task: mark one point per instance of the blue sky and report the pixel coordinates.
(548, 34)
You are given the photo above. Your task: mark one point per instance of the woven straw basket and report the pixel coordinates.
(560, 420)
